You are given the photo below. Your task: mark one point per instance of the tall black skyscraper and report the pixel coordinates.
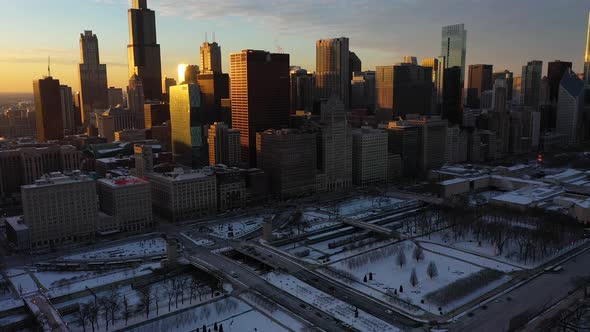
(143, 49)
(451, 96)
(555, 73)
(48, 109)
(479, 80)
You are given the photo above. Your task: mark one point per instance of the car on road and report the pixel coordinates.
(234, 274)
(388, 311)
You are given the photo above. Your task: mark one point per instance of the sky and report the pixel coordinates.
(505, 33)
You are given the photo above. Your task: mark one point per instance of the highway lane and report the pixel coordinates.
(534, 296)
(248, 280)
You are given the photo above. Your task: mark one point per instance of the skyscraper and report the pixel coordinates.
(587, 55)
(555, 72)
(570, 106)
(479, 80)
(302, 90)
(333, 69)
(214, 87)
(93, 77)
(451, 95)
(453, 48)
(531, 83)
(188, 137)
(67, 109)
(48, 110)
(410, 59)
(143, 49)
(210, 58)
(507, 76)
(355, 63)
(259, 95)
(335, 146)
(404, 89)
(224, 145)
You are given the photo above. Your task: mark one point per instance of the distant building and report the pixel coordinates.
(362, 91)
(144, 159)
(432, 133)
(412, 60)
(333, 69)
(135, 94)
(115, 97)
(184, 194)
(570, 106)
(128, 201)
(555, 71)
(259, 96)
(403, 141)
(508, 77)
(68, 111)
(335, 146)
(210, 58)
(531, 83)
(188, 130)
(48, 109)
(60, 209)
(155, 114)
(369, 157)
(167, 82)
(289, 159)
(93, 77)
(479, 80)
(587, 55)
(130, 135)
(404, 89)
(144, 50)
(302, 90)
(231, 187)
(453, 49)
(451, 94)
(224, 145)
(214, 87)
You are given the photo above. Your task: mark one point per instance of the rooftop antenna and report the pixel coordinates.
(206, 40)
(214, 36)
(49, 66)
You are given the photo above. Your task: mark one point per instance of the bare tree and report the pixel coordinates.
(418, 254)
(413, 278)
(156, 298)
(126, 310)
(431, 270)
(182, 284)
(114, 305)
(401, 258)
(146, 300)
(194, 284)
(82, 316)
(104, 304)
(170, 293)
(93, 315)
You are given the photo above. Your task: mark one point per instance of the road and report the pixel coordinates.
(534, 296)
(329, 286)
(247, 280)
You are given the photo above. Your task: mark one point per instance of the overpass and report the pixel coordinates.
(45, 313)
(371, 227)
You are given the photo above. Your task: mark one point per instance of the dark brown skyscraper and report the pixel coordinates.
(259, 95)
(93, 77)
(479, 80)
(214, 87)
(143, 49)
(555, 73)
(404, 89)
(48, 109)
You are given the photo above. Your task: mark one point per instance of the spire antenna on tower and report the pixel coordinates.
(214, 36)
(206, 40)
(49, 66)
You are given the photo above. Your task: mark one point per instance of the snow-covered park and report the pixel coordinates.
(383, 273)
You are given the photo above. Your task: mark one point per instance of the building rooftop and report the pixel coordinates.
(17, 223)
(122, 181)
(529, 195)
(57, 178)
(180, 174)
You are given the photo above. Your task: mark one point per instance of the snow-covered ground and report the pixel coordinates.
(238, 227)
(475, 259)
(338, 309)
(509, 255)
(24, 284)
(387, 275)
(99, 280)
(234, 314)
(155, 246)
